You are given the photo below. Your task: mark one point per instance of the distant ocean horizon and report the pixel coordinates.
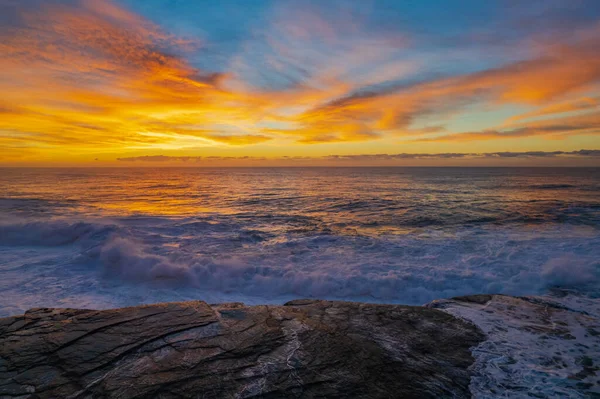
(103, 237)
(193, 165)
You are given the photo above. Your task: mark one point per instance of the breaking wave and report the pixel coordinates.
(270, 235)
(123, 262)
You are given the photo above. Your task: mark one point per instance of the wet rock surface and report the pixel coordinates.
(535, 347)
(306, 348)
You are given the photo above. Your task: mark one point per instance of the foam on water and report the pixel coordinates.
(105, 263)
(101, 239)
(542, 347)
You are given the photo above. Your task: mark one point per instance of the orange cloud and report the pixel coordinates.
(239, 139)
(580, 104)
(85, 76)
(559, 71)
(97, 75)
(556, 128)
(553, 76)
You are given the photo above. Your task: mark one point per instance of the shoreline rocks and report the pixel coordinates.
(305, 348)
(535, 347)
(481, 346)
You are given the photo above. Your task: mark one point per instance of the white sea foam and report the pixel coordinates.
(103, 263)
(542, 346)
(113, 237)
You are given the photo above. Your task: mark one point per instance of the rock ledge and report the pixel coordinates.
(305, 348)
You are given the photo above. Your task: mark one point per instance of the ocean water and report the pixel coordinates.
(110, 237)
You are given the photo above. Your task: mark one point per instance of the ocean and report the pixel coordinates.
(111, 237)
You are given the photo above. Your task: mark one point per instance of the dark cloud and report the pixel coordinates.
(375, 157)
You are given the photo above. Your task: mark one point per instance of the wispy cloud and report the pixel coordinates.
(579, 104)
(87, 76)
(558, 72)
(556, 128)
(91, 74)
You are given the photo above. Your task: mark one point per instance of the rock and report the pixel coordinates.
(480, 299)
(306, 348)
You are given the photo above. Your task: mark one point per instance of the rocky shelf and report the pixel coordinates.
(305, 348)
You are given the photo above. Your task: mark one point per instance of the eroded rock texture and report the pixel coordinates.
(193, 350)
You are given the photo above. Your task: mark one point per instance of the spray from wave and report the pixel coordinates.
(269, 235)
(170, 259)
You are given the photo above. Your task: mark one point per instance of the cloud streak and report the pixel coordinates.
(82, 76)
(556, 128)
(91, 74)
(369, 157)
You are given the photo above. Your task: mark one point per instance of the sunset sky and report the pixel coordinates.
(250, 82)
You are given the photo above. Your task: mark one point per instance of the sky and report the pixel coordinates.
(299, 82)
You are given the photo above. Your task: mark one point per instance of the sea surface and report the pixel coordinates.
(110, 237)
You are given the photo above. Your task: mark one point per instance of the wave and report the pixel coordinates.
(157, 259)
(565, 186)
(129, 259)
(51, 233)
(554, 186)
